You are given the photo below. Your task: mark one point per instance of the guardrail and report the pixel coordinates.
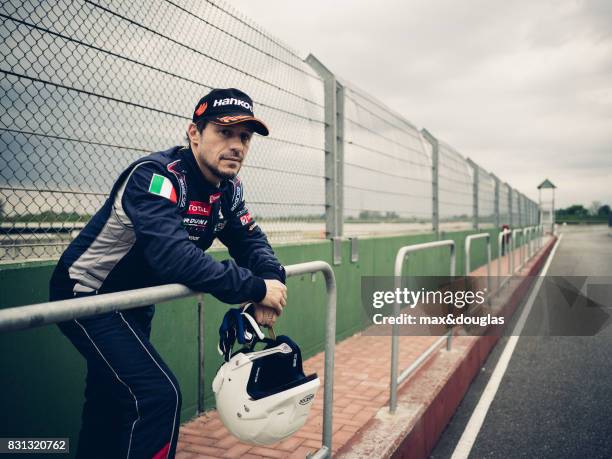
(502, 240)
(25, 317)
(532, 240)
(468, 245)
(399, 262)
(529, 236)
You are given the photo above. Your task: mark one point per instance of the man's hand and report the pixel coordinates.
(276, 295)
(264, 316)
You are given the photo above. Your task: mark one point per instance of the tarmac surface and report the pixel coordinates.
(555, 398)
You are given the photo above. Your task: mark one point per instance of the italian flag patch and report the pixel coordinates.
(162, 186)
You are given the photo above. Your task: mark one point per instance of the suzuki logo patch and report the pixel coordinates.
(198, 208)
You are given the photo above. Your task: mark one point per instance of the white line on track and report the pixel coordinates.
(464, 446)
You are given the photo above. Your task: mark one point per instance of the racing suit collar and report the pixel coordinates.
(194, 169)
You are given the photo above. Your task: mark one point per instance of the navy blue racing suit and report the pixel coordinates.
(153, 229)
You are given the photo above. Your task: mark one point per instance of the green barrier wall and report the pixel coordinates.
(43, 375)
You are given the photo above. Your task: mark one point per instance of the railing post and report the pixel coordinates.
(330, 343)
(399, 263)
(467, 248)
(333, 204)
(435, 201)
(501, 239)
(201, 352)
(510, 207)
(476, 171)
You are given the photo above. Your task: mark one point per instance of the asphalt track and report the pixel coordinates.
(555, 398)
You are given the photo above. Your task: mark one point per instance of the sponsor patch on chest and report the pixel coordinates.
(199, 208)
(190, 221)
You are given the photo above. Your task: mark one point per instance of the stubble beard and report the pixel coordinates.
(218, 173)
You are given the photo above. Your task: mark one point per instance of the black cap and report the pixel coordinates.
(228, 106)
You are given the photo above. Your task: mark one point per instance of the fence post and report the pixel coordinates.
(520, 209)
(476, 170)
(333, 206)
(510, 207)
(496, 202)
(435, 201)
(339, 159)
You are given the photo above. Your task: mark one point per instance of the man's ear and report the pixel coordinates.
(192, 133)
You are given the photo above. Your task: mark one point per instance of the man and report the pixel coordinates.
(163, 212)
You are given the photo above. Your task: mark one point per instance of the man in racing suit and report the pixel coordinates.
(163, 212)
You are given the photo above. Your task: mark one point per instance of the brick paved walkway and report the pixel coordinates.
(358, 396)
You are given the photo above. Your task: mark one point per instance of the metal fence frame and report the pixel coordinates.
(399, 263)
(35, 315)
(18, 242)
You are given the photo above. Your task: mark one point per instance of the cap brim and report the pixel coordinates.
(258, 125)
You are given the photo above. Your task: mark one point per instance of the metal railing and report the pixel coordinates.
(399, 262)
(528, 238)
(501, 237)
(468, 245)
(25, 317)
(513, 244)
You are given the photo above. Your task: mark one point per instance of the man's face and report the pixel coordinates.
(220, 150)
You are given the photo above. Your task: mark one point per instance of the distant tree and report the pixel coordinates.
(595, 205)
(603, 211)
(577, 210)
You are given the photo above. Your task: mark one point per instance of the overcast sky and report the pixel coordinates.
(522, 87)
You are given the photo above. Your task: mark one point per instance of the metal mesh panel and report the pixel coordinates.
(528, 212)
(387, 169)
(486, 199)
(456, 189)
(88, 87)
(515, 209)
(504, 214)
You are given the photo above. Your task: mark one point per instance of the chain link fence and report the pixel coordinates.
(387, 169)
(90, 86)
(504, 204)
(455, 189)
(486, 199)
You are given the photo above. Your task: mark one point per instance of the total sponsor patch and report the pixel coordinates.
(199, 208)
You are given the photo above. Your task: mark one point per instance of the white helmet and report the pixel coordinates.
(263, 396)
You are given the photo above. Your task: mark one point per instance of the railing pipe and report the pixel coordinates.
(513, 240)
(399, 263)
(468, 245)
(24, 317)
(501, 238)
